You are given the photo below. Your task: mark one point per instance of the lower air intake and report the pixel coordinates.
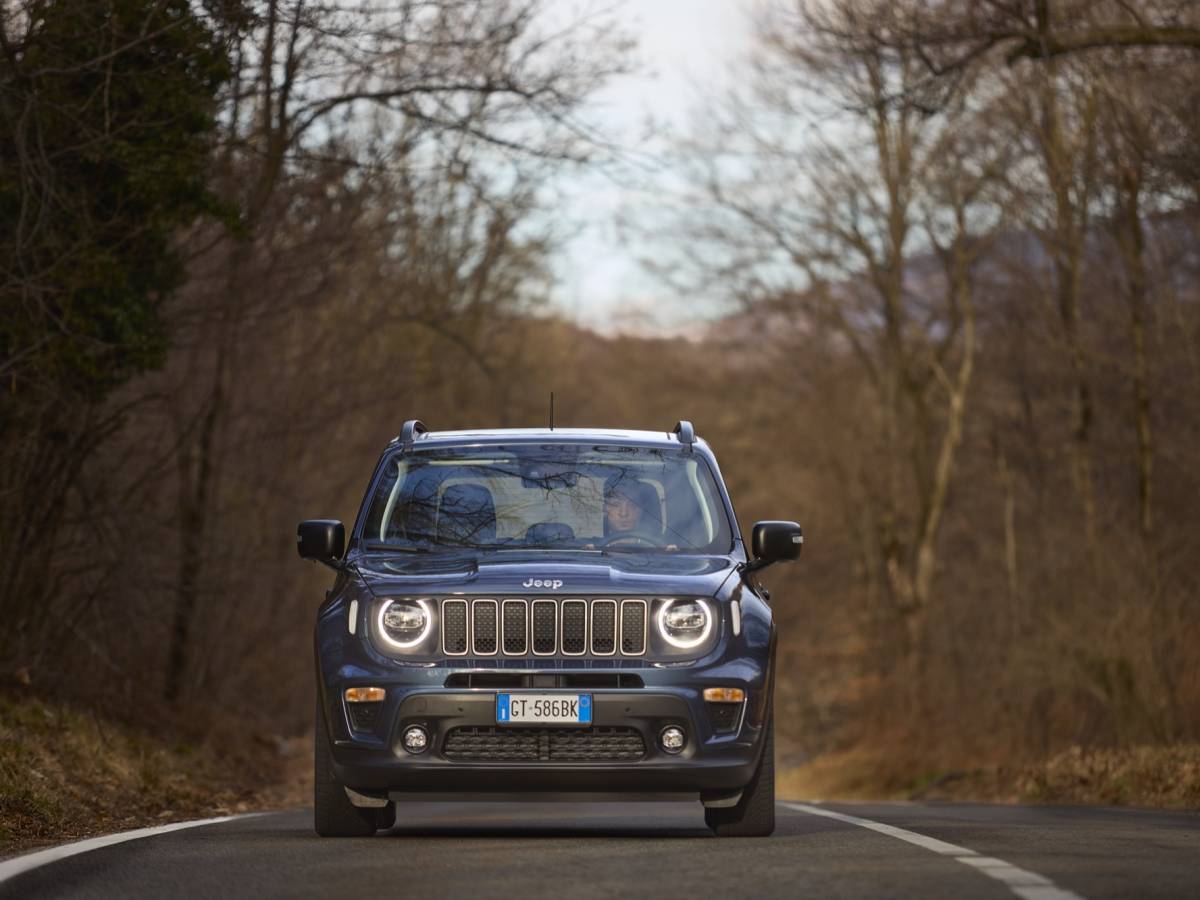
(494, 744)
(363, 716)
(724, 717)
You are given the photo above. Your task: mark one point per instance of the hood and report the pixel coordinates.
(529, 575)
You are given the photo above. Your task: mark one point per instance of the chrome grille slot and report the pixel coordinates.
(454, 627)
(574, 627)
(604, 627)
(514, 628)
(484, 627)
(633, 627)
(545, 627)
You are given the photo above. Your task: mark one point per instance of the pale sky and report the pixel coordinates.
(686, 51)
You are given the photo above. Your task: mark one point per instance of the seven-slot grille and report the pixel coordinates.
(543, 627)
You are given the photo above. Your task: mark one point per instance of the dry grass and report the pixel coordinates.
(1139, 776)
(67, 773)
(1166, 777)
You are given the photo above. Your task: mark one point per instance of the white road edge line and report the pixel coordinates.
(10, 868)
(1025, 884)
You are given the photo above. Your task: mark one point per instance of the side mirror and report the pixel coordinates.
(323, 540)
(773, 542)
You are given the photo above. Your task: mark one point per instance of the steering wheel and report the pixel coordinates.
(631, 538)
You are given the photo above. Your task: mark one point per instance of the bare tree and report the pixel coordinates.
(952, 35)
(1055, 111)
(829, 220)
(442, 83)
(1126, 142)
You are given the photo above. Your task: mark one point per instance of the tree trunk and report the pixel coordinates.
(1067, 293)
(1066, 163)
(196, 479)
(1010, 528)
(956, 402)
(1132, 241)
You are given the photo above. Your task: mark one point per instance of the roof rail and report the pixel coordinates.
(687, 434)
(409, 432)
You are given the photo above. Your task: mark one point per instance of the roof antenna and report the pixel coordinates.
(552, 410)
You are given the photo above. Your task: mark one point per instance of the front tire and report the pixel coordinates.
(333, 813)
(754, 814)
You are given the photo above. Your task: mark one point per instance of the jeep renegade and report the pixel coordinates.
(527, 613)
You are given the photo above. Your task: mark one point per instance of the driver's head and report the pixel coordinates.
(621, 508)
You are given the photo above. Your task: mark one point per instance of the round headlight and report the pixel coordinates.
(404, 623)
(685, 623)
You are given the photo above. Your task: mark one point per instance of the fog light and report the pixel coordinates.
(415, 739)
(672, 739)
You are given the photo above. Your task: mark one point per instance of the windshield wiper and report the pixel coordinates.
(398, 548)
(536, 548)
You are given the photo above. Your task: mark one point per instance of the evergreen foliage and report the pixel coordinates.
(108, 112)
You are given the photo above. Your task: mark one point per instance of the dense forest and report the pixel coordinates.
(956, 251)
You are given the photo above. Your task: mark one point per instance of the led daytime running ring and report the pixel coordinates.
(676, 642)
(391, 641)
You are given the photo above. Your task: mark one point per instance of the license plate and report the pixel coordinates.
(544, 709)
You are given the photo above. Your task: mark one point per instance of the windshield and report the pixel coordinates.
(549, 497)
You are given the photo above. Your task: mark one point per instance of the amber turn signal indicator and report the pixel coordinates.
(724, 695)
(364, 694)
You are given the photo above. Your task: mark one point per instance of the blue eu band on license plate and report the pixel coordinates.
(544, 709)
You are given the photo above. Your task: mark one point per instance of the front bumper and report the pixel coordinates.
(639, 694)
(708, 763)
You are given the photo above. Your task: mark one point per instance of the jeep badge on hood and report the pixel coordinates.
(554, 585)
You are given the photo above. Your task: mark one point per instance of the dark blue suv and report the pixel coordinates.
(531, 612)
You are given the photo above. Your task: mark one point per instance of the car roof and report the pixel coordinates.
(627, 436)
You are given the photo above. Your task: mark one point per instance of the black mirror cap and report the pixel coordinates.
(321, 539)
(774, 541)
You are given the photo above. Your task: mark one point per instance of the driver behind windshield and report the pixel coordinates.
(630, 515)
(622, 512)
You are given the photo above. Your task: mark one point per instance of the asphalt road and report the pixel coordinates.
(658, 851)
